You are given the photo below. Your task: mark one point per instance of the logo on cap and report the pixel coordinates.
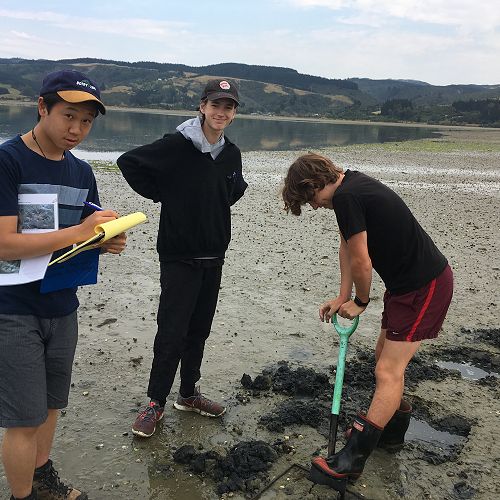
(224, 85)
(86, 83)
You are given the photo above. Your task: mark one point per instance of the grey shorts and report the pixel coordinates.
(36, 359)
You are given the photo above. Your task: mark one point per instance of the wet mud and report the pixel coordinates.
(278, 270)
(243, 468)
(435, 435)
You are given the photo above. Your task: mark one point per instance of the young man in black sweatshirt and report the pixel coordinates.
(196, 174)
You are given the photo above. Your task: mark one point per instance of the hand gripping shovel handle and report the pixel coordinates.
(344, 334)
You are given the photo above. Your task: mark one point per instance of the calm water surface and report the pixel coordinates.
(119, 131)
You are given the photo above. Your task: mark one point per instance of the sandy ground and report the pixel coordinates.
(278, 270)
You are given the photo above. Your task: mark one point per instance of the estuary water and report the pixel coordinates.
(121, 130)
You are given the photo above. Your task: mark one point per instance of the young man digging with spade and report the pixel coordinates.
(377, 231)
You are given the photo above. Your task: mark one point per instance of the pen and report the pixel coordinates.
(93, 205)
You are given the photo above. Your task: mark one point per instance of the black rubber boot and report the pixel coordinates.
(349, 462)
(393, 436)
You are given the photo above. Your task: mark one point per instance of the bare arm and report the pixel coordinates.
(346, 281)
(361, 265)
(361, 272)
(14, 245)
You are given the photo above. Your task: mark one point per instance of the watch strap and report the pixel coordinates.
(359, 302)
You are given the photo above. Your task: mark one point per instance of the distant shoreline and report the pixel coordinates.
(179, 112)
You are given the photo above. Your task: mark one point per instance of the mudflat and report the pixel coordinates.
(278, 269)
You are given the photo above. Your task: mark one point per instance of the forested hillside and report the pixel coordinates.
(264, 90)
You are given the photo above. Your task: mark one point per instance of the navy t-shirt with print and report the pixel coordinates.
(22, 171)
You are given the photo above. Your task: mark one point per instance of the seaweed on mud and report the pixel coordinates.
(492, 383)
(290, 412)
(432, 453)
(485, 360)
(489, 336)
(243, 468)
(284, 380)
(439, 418)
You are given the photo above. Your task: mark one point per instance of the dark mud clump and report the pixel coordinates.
(244, 467)
(293, 412)
(314, 390)
(488, 361)
(490, 336)
(432, 453)
(422, 368)
(492, 383)
(282, 379)
(454, 424)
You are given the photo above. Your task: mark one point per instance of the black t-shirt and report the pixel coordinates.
(402, 253)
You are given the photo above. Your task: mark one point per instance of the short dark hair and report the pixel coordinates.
(50, 100)
(307, 173)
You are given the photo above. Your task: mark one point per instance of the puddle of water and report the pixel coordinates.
(422, 431)
(299, 354)
(467, 370)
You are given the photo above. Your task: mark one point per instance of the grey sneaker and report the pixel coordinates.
(200, 404)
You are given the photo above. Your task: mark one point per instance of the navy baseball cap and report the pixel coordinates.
(220, 89)
(72, 86)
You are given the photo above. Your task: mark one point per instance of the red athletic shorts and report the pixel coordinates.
(420, 314)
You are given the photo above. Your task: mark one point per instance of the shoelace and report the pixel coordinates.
(200, 401)
(53, 483)
(149, 414)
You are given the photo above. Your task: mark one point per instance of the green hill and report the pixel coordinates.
(264, 90)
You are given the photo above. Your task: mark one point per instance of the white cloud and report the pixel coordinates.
(140, 28)
(484, 15)
(371, 41)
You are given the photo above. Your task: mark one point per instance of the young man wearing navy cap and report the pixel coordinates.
(38, 331)
(196, 173)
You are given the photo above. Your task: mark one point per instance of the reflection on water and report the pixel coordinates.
(467, 370)
(119, 131)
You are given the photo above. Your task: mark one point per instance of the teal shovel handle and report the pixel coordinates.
(344, 334)
(345, 330)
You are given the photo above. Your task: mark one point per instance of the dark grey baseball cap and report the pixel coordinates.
(220, 89)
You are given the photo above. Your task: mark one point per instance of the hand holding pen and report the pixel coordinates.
(93, 205)
(114, 245)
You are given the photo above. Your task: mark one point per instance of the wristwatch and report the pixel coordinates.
(359, 302)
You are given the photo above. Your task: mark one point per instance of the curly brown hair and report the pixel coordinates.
(307, 173)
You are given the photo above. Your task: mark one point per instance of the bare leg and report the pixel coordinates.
(45, 437)
(380, 344)
(19, 457)
(393, 359)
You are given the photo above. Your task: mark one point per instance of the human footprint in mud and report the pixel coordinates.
(196, 173)
(377, 232)
(39, 331)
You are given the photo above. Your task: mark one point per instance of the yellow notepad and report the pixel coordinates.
(104, 232)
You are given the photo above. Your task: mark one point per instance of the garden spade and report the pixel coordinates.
(344, 333)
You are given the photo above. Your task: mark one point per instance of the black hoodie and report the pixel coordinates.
(195, 191)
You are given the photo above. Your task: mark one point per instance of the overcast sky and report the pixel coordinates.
(438, 41)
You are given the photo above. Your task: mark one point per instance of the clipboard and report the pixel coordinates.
(103, 232)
